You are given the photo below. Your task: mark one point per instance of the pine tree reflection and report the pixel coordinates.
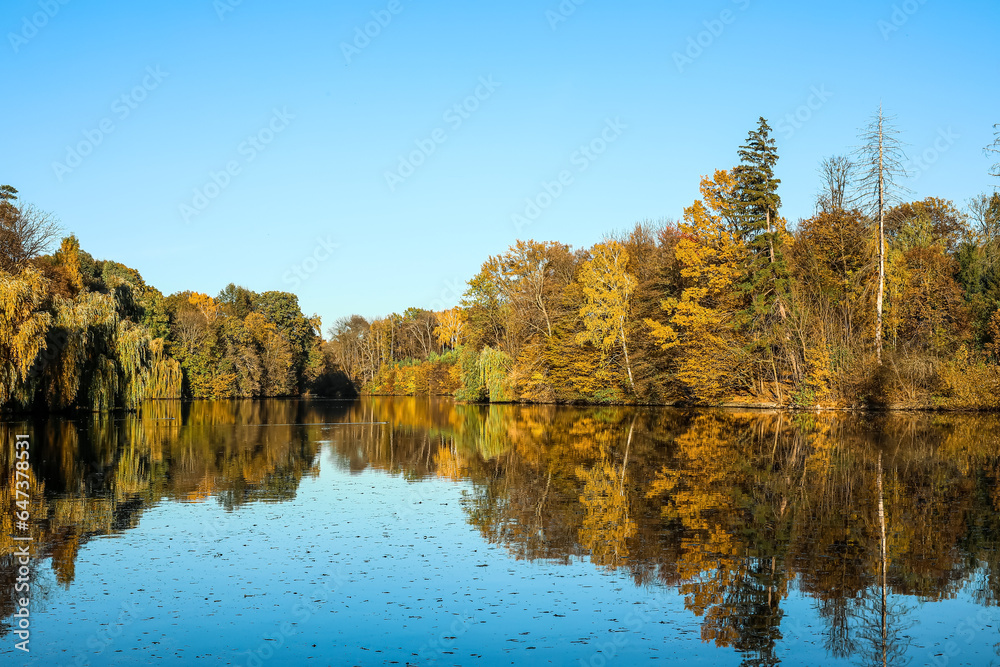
(732, 510)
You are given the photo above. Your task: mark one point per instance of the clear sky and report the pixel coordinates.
(205, 142)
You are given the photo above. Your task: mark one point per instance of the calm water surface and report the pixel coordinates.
(418, 531)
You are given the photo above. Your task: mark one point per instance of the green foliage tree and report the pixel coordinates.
(755, 211)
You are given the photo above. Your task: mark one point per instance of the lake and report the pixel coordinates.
(421, 531)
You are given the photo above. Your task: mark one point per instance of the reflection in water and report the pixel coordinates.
(867, 515)
(95, 475)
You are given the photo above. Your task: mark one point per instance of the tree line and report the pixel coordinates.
(874, 300)
(81, 333)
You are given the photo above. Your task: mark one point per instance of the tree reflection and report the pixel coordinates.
(96, 475)
(865, 515)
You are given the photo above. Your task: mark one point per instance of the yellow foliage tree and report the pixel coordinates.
(22, 328)
(700, 323)
(607, 290)
(277, 361)
(68, 256)
(206, 305)
(451, 324)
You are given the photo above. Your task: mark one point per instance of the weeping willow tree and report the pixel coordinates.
(494, 371)
(107, 360)
(23, 329)
(165, 374)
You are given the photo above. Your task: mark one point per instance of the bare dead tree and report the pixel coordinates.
(836, 173)
(880, 160)
(25, 231)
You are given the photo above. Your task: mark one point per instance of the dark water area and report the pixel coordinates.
(420, 531)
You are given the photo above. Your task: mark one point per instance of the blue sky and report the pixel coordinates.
(241, 141)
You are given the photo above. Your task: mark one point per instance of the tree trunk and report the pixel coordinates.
(770, 247)
(881, 241)
(884, 562)
(628, 364)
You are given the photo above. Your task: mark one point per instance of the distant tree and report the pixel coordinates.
(836, 173)
(346, 339)
(417, 338)
(25, 231)
(237, 300)
(276, 359)
(449, 327)
(946, 224)
(282, 310)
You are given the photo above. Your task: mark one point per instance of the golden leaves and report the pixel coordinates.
(451, 326)
(206, 305)
(23, 328)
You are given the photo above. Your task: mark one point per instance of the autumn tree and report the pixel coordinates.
(978, 257)
(513, 296)
(277, 361)
(302, 333)
(698, 325)
(236, 300)
(946, 225)
(416, 333)
(926, 306)
(651, 247)
(346, 342)
(450, 325)
(607, 287)
(23, 329)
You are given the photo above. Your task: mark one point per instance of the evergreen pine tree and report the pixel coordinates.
(765, 280)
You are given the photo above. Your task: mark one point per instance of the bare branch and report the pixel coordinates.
(837, 173)
(994, 150)
(879, 161)
(25, 232)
